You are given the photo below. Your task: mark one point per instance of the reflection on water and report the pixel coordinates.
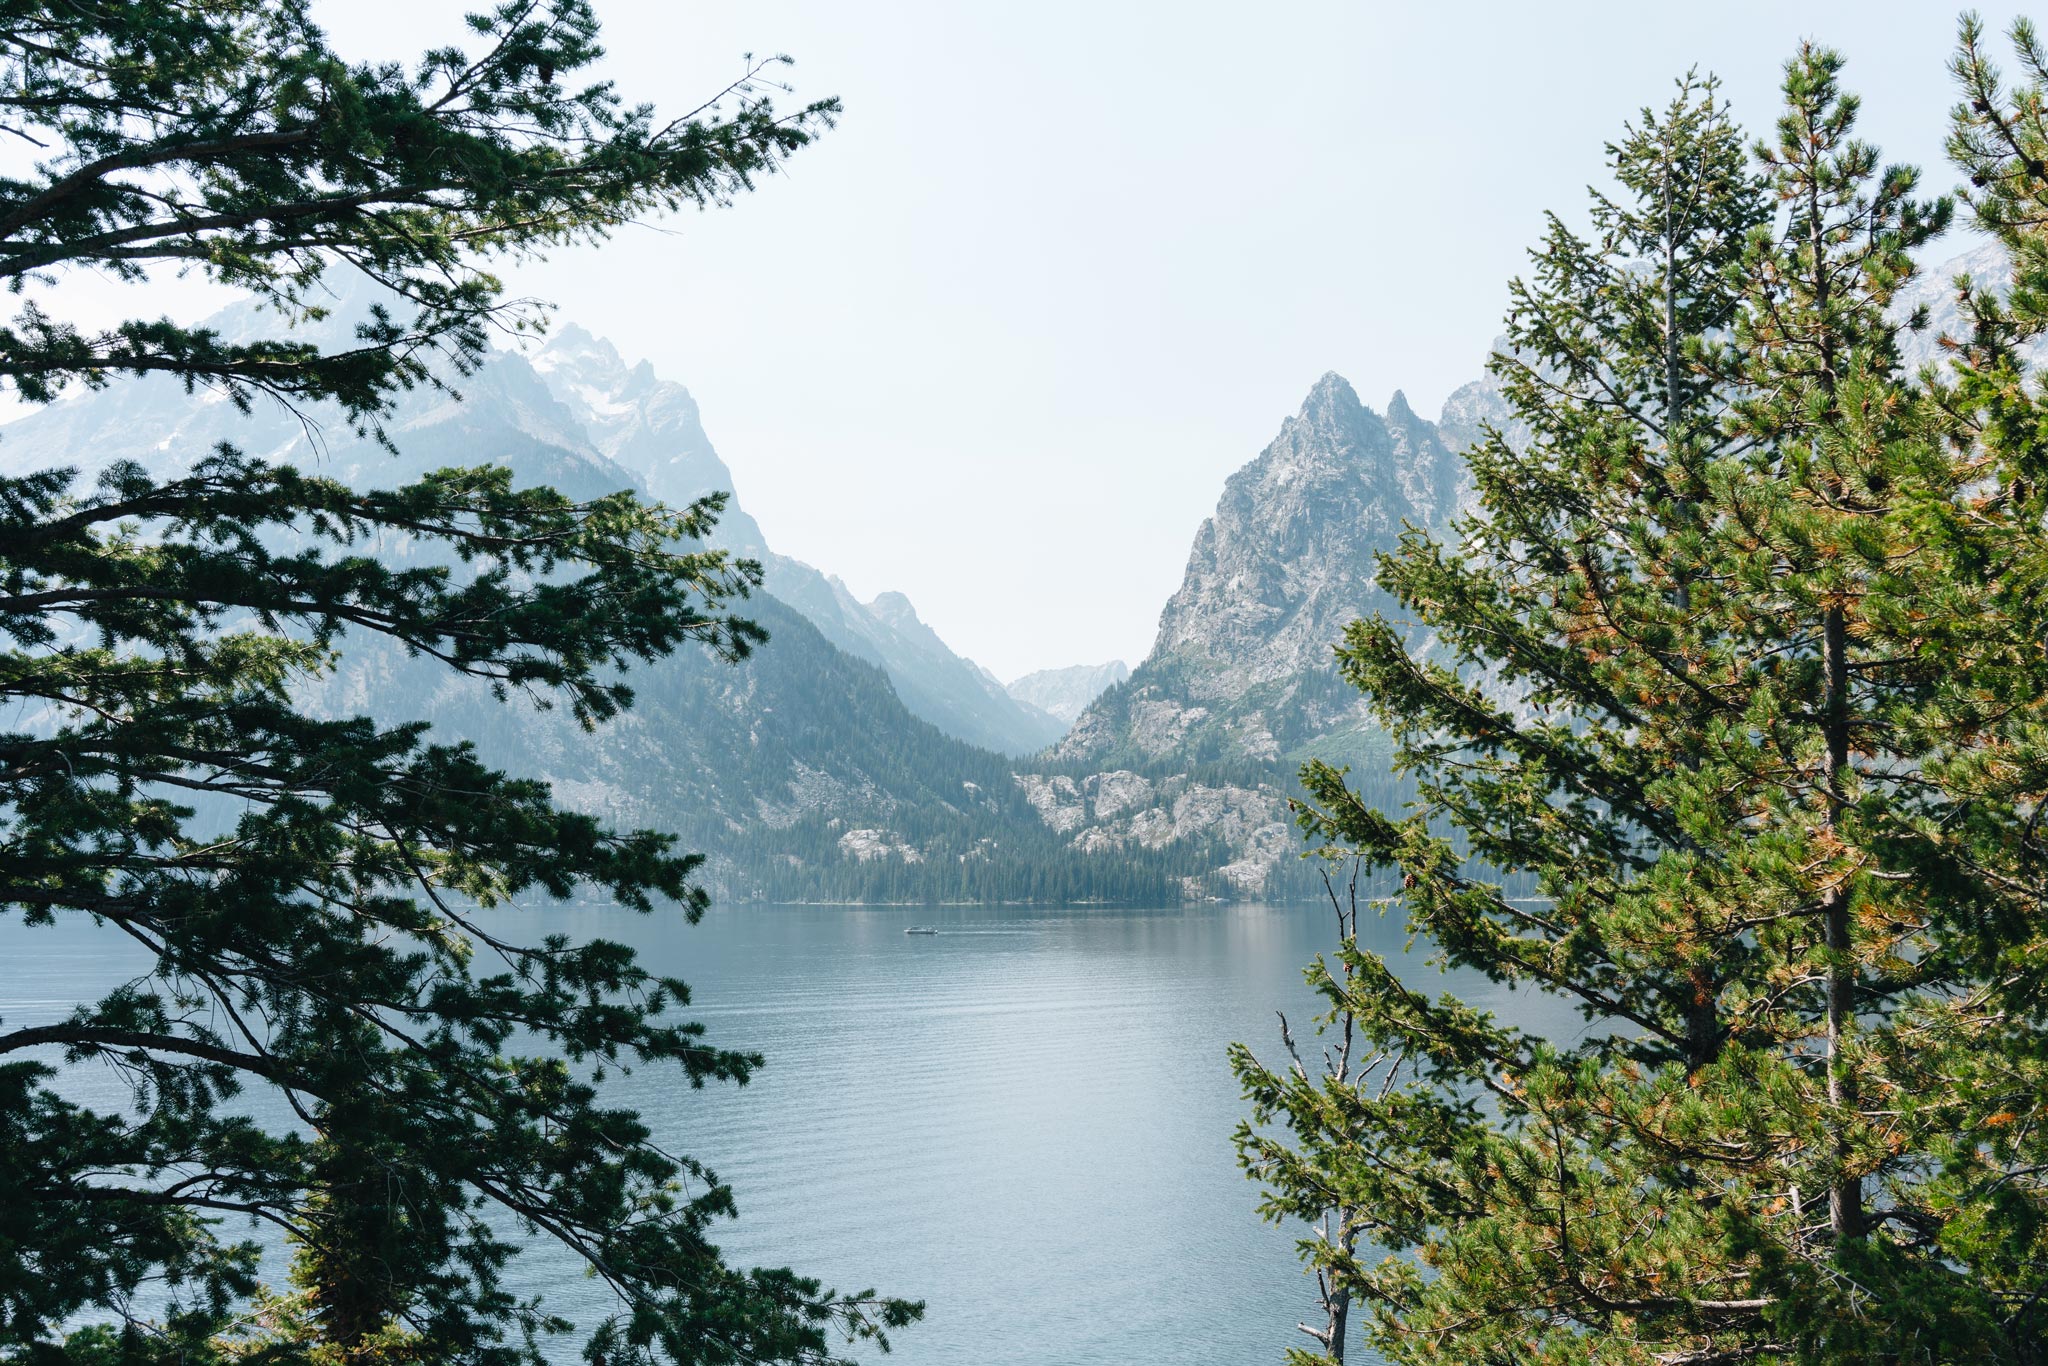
(1023, 1120)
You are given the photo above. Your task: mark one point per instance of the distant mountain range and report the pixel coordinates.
(574, 416)
(1066, 693)
(856, 756)
(840, 762)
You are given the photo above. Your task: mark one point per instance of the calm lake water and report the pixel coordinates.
(1023, 1120)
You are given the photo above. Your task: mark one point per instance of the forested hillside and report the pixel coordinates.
(804, 772)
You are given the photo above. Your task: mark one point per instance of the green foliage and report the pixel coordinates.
(314, 893)
(1740, 661)
(231, 137)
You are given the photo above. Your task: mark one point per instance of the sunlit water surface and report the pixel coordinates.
(1023, 1120)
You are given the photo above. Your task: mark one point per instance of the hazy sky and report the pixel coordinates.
(998, 339)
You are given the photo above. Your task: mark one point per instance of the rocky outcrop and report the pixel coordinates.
(863, 846)
(1111, 794)
(1057, 800)
(1245, 829)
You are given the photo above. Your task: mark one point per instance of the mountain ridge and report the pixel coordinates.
(1065, 693)
(802, 772)
(1242, 666)
(653, 428)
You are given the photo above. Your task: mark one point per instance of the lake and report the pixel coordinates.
(1023, 1120)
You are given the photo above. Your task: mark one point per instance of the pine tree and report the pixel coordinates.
(1826, 401)
(1716, 667)
(314, 893)
(1619, 369)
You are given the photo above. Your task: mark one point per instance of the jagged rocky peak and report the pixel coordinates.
(1290, 547)
(1428, 472)
(1333, 426)
(575, 356)
(575, 347)
(588, 371)
(1242, 665)
(1332, 396)
(1471, 409)
(649, 425)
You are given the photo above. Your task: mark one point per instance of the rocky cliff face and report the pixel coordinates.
(1241, 677)
(645, 425)
(1121, 811)
(1242, 665)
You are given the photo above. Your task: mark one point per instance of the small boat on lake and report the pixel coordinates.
(920, 929)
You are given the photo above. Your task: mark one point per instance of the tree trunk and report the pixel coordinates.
(1845, 1197)
(1703, 1008)
(1340, 1323)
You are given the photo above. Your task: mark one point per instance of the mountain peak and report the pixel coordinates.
(1332, 396)
(893, 607)
(576, 348)
(1241, 667)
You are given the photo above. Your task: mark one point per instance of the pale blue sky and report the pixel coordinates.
(997, 341)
